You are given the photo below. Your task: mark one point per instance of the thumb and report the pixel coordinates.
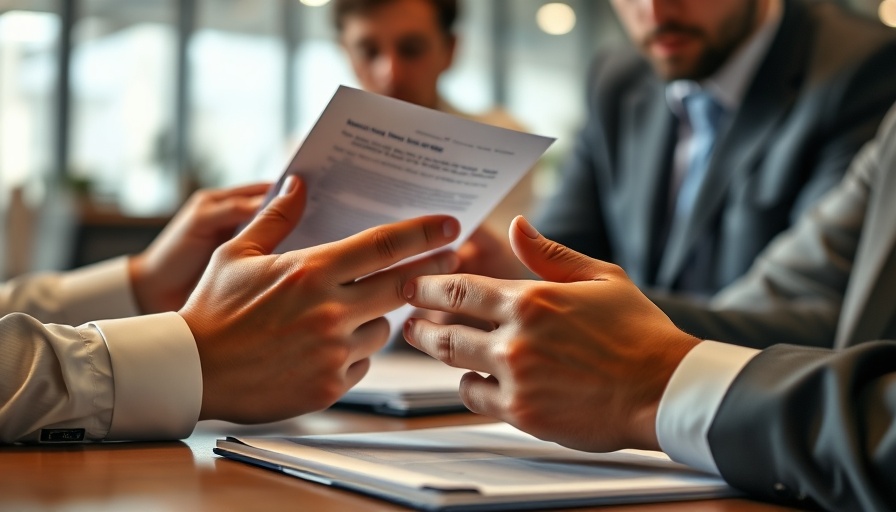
(548, 259)
(278, 218)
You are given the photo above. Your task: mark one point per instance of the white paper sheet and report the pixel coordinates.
(371, 160)
(407, 384)
(496, 463)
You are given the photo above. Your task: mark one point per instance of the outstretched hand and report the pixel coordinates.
(164, 274)
(284, 334)
(581, 358)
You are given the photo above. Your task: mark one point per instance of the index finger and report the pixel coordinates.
(382, 246)
(479, 297)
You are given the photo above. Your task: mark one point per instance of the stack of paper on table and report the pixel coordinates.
(482, 467)
(407, 384)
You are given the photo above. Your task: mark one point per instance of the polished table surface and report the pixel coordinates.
(188, 476)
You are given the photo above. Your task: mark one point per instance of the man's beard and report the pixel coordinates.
(714, 54)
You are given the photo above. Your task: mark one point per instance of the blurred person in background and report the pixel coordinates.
(710, 134)
(400, 49)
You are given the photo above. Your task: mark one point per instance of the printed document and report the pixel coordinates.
(372, 160)
(479, 467)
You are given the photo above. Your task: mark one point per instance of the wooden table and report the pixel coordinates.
(188, 476)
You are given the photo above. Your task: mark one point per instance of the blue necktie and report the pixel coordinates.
(704, 114)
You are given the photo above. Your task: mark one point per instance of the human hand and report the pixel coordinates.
(484, 254)
(487, 254)
(581, 358)
(284, 334)
(164, 274)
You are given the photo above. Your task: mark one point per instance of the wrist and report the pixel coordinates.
(666, 359)
(208, 407)
(136, 274)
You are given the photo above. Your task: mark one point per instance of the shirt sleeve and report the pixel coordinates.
(98, 291)
(157, 377)
(129, 379)
(692, 398)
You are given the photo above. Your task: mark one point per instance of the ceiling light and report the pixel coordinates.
(556, 18)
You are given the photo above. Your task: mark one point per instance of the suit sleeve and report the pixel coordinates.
(801, 423)
(795, 289)
(858, 103)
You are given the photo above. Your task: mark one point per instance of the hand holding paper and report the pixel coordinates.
(279, 335)
(371, 160)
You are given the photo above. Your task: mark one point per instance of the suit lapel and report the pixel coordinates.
(868, 308)
(769, 98)
(646, 122)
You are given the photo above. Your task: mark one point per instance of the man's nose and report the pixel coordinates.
(662, 11)
(389, 69)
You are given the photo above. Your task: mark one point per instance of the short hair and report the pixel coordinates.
(446, 11)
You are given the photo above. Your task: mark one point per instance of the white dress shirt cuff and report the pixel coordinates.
(98, 291)
(157, 377)
(692, 398)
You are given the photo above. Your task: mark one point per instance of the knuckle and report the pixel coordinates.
(515, 354)
(273, 213)
(616, 271)
(538, 302)
(429, 234)
(327, 324)
(522, 412)
(456, 291)
(226, 251)
(339, 356)
(444, 345)
(307, 272)
(552, 251)
(398, 289)
(332, 317)
(386, 243)
(328, 392)
(521, 359)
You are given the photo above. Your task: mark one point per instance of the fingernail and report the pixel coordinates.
(408, 325)
(526, 228)
(289, 184)
(409, 290)
(450, 228)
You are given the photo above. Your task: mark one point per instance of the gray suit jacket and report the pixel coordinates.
(804, 421)
(828, 282)
(802, 424)
(817, 97)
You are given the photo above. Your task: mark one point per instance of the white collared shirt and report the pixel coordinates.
(129, 378)
(700, 382)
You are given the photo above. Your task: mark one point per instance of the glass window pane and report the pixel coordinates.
(29, 33)
(546, 73)
(122, 98)
(467, 85)
(320, 66)
(237, 72)
(29, 38)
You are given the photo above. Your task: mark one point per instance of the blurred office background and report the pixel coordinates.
(112, 111)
